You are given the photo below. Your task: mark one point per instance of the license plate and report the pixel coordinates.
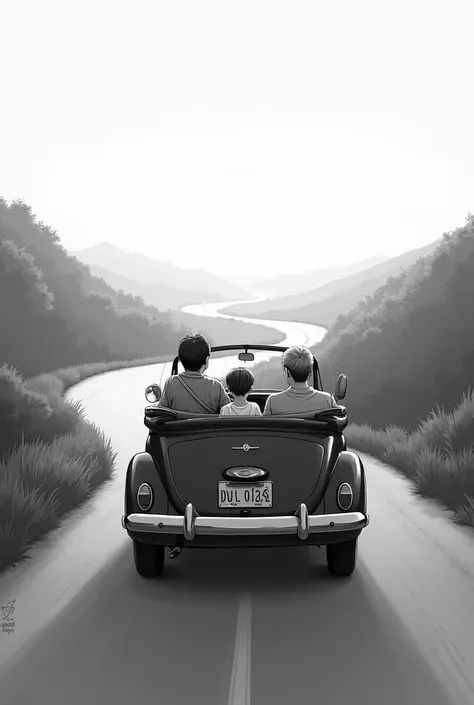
(238, 495)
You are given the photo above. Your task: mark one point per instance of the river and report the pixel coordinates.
(295, 334)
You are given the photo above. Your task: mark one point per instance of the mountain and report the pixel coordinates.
(159, 295)
(409, 346)
(334, 297)
(143, 270)
(325, 312)
(289, 284)
(54, 313)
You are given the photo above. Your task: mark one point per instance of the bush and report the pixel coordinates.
(438, 457)
(25, 516)
(366, 439)
(41, 482)
(29, 415)
(447, 476)
(465, 515)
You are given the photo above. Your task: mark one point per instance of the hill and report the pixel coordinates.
(326, 311)
(144, 270)
(409, 347)
(161, 296)
(54, 313)
(289, 284)
(348, 290)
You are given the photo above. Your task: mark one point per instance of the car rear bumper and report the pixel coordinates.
(301, 524)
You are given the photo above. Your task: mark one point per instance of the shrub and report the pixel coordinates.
(29, 414)
(465, 515)
(447, 476)
(459, 433)
(40, 482)
(365, 439)
(25, 516)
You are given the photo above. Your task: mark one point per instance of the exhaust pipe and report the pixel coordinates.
(175, 551)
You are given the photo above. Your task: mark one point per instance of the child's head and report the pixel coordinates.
(239, 381)
(193, 352)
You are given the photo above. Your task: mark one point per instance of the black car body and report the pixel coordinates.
(206, 481)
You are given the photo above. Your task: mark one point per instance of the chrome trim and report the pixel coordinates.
(245, 526)
(245, 447)
(245, 473)
(122, 521)
(189, 527)
(303, 522)
(145, 484)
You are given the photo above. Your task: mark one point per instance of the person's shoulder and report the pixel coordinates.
(325, 395)
(168, 382)
(277, 395)
(214, 382)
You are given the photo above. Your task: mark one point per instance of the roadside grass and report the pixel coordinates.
(41, 482)
(438, 457)
(51, 458)
(57, 382)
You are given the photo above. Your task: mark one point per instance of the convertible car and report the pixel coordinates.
(206, 481)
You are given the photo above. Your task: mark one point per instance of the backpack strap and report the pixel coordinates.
(195, 396)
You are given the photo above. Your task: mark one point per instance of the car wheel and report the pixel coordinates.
(149, 559)
(342, 557)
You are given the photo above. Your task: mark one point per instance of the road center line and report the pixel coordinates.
(240, 679)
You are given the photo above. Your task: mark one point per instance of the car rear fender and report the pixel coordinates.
(142, 468)
(348, 468)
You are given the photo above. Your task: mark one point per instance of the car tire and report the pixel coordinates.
(149, 559)
(342, 557)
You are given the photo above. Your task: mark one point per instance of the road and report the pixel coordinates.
(235, 627)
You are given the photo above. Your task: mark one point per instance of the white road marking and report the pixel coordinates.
(240, 680)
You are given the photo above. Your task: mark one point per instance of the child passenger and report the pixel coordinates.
(240, 382)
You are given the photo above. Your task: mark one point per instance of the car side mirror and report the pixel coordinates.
(341, 387)
(153, 393)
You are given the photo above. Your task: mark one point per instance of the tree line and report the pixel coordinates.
(409, 348)
(54, 313)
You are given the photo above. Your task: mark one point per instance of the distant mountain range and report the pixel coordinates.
(163, 297)
(289, 284)
(162, 284)
(323, 304)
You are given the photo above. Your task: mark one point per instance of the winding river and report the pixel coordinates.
(295, 334)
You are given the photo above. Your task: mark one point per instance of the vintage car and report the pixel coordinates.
(206, 481)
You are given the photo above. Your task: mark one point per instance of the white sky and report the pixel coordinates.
(302, 134)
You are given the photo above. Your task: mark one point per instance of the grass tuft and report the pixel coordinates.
(438, 457)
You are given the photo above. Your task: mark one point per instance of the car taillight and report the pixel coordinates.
(345, 496)
(145, 497)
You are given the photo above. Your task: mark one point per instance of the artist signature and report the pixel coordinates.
(8, 621)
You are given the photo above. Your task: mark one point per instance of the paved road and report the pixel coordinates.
(237, 627)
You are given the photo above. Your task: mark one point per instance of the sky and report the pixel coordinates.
(250, 138)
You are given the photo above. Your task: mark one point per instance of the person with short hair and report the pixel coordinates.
(191, 390)
(297, 363)
(240, 383)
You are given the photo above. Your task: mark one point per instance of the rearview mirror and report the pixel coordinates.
(246, 357)
(341, 387)
(153, 393)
